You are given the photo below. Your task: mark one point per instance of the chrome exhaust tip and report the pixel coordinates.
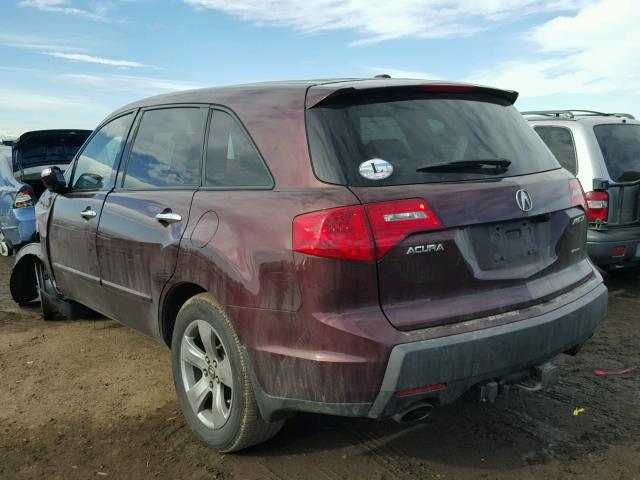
(416, 413)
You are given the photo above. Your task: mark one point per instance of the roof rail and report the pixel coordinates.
(625, 115)
(571, 113)
(550, 113)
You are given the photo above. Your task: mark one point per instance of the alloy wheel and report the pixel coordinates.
(207, 377)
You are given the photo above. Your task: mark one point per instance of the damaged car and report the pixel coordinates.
(358, 247)
(20, 186)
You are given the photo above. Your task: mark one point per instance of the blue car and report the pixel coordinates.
(20, 185)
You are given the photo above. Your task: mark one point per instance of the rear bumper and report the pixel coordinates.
(498, 353)
(600, 246)
(505, 353)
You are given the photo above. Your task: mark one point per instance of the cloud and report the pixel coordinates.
(99, 13)
(35, 42)
(380, 20)
(79, 57)
(595, 51)
(127, 83)
(23, 100)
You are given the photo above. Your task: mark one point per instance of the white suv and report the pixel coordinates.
(603, 151)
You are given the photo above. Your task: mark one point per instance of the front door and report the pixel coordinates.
(143, 220)
(74, 221)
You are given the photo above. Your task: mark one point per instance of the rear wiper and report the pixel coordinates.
(468, 166)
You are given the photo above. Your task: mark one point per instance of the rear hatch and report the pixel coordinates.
(38, 149)
(506, 225)
(620, 146)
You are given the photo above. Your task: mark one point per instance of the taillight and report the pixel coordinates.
(392, 222)
(24, 198)
(364, 233)
(577, 194)
(337, 233)
(597, 206)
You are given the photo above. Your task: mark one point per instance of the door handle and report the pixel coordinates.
(168, 217)
(88, 214)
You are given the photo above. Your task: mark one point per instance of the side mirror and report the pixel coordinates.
(53, 179)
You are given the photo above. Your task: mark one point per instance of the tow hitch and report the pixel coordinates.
(531, 380)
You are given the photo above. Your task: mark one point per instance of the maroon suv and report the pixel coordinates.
(352, 247)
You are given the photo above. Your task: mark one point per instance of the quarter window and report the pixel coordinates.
(96, 166)
(167, 150)
(560, 142)
(232, 160)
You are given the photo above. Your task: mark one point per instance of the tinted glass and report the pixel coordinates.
(560, 142)
(232, 160)
(620, 145)
(167, 150)
(96, 167)
(417, 132)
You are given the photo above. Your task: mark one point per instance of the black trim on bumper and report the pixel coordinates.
(466, 359)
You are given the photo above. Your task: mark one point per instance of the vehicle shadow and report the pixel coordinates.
(498, 436)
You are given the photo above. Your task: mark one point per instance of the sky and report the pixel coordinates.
(69, 63)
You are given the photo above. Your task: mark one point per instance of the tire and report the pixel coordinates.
(44, 284)
(212, 379)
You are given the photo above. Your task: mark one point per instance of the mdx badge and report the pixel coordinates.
(430, 248)
(523, 199)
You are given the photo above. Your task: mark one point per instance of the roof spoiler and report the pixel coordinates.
(320, 94)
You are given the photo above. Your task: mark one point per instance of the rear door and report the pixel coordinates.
(143, 220)
(74, 220)
(471, 214)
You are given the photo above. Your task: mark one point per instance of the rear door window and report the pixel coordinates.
(620, 145)
(232, 159)
(560, 142)
(167, 150)
(96, 166)
(467, 137)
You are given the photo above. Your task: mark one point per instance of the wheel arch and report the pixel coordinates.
(22, 282)
(173, 300)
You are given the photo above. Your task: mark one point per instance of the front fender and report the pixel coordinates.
(23, 283)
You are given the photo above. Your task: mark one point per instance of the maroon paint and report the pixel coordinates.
(314, 327)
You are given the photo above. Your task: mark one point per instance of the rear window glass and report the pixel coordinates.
(6, 172)
(620, 145)
(411, 133)
(232, 160)
(167, 150)
(560, 142)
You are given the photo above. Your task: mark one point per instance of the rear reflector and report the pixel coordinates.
(363, 233)
(597, 206)
(24, 198)
(618, 251)
(436, 387)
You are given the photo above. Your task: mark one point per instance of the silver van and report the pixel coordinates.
(603, 151)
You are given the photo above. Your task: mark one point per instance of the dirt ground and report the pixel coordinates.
(92, 399)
